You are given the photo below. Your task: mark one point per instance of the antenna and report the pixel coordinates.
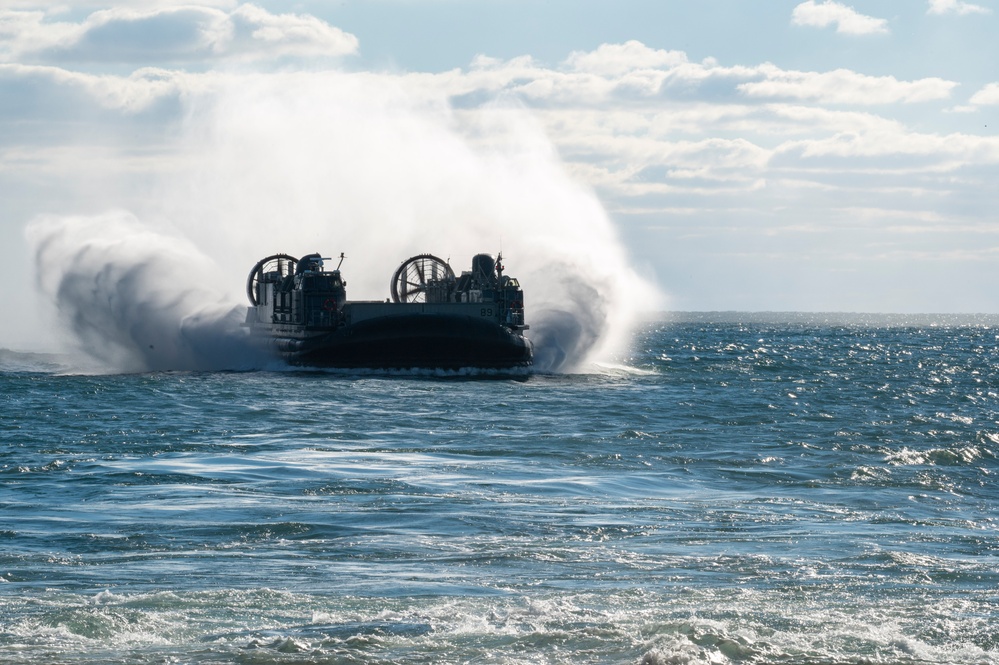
(342, 257)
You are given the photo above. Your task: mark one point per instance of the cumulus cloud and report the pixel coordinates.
(617, 59)
(700, 133)
(258, 33)
(169, 35)
(846, 19)
(843, 86)
(633, 72)
(612, 73)
(36, 86)
(956, 7)
(940, 151)
(631, 120)
(987, 96)
(24, 31)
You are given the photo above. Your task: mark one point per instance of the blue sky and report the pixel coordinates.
(717, 155)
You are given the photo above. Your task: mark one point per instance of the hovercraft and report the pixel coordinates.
(433, 320)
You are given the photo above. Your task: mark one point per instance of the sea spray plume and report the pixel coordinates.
(370, 165)
(136, 299)
(383, 168)
(564, 334)
(584, 295)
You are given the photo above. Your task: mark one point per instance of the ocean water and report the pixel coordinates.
(736, 489)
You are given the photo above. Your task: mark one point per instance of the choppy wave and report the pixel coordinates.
(725, 493)
(649, 627)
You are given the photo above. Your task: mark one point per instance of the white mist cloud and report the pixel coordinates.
(846, 19)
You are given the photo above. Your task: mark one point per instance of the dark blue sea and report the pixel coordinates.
(735, 489)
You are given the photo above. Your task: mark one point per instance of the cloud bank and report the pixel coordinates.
(720, 178)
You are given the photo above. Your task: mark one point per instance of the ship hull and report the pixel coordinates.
(434, 320)
(424, 341)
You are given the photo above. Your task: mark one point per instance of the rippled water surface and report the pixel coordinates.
(796, 490)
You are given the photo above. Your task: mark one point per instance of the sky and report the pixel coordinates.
(751, 155)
